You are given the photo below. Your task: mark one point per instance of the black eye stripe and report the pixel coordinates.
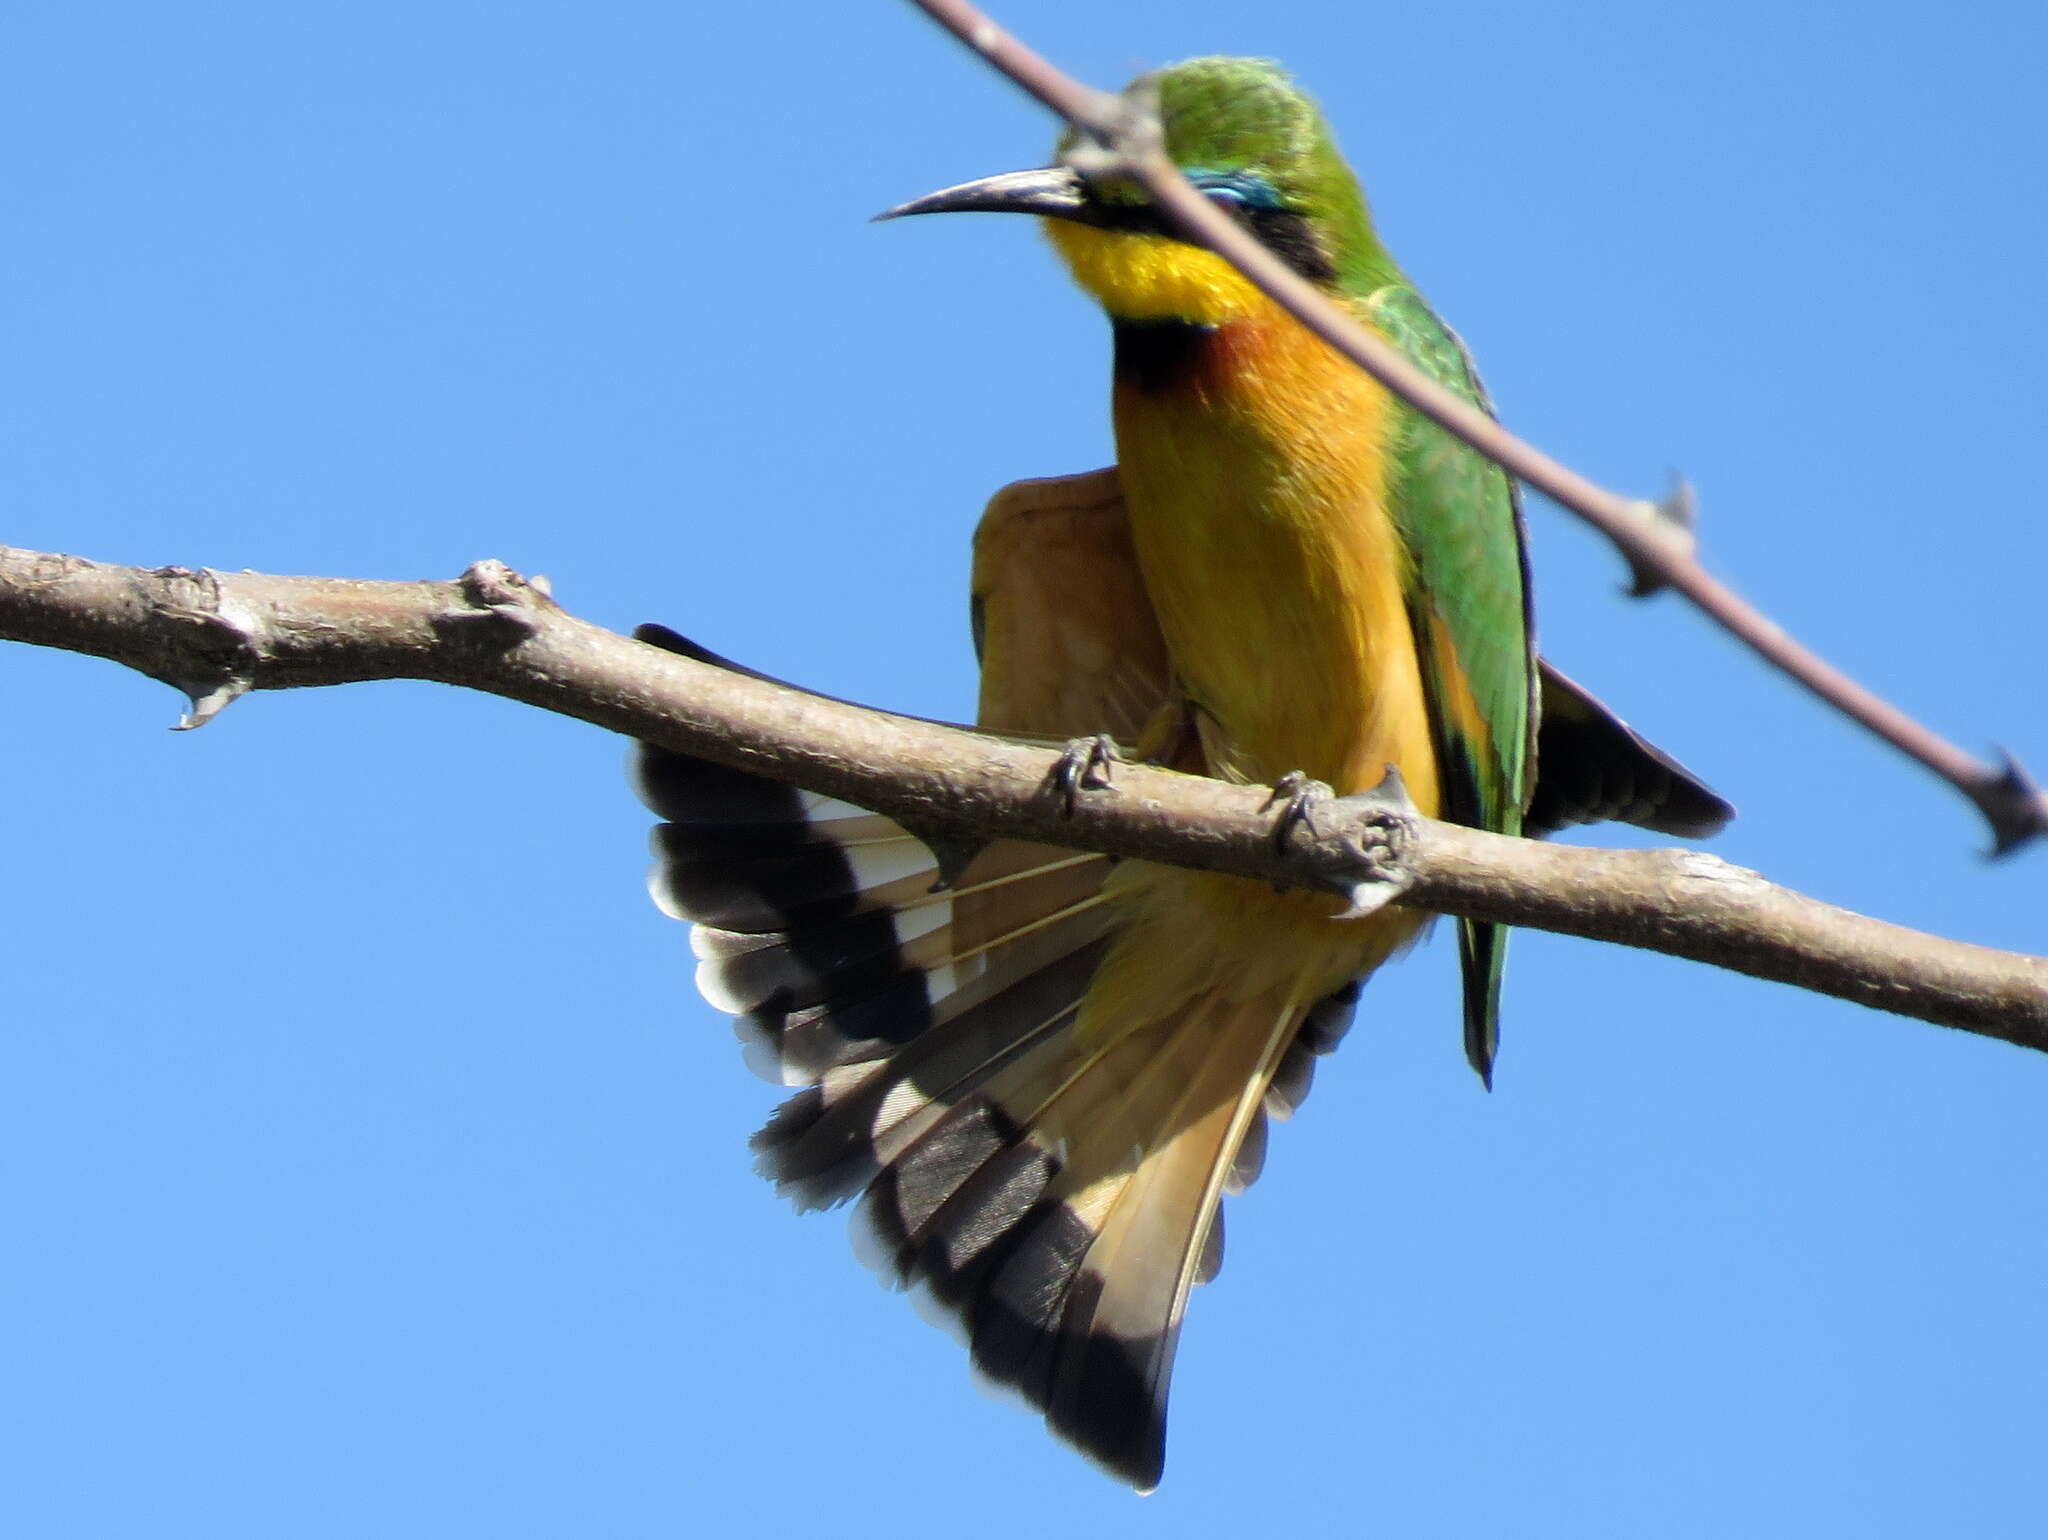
(1286, 234)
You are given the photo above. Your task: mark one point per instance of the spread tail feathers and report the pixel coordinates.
(1055, 1196)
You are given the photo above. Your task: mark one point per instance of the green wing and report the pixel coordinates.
(1468, 599)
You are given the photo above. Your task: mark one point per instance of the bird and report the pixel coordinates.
(1037, 1072)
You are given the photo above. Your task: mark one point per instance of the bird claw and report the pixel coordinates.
(1299, 797)
(1351, 865)
(1084, 765)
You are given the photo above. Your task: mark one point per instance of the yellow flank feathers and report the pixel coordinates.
(1146, 278)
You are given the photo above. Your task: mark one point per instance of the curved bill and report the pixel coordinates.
(1055, 192)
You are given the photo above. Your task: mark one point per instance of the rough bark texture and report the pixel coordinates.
(217, 635)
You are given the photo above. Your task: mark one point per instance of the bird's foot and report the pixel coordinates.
(1354, 853)
(1299, 797)
(1085, 765)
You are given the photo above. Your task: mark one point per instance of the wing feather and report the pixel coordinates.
(1461, 522)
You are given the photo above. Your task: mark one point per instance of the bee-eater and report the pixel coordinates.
(1042, 1079)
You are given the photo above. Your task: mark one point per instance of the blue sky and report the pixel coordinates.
(368, 1165)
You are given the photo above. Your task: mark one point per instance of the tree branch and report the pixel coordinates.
(217, 635)
(1123, 139)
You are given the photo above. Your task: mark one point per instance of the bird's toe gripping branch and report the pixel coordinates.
(1085, 765)
(1350, 846)
(1298, 796)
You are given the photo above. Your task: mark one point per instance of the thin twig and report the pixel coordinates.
(217, 635)
(1656, 540)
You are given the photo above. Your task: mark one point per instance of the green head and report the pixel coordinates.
(1250, 139)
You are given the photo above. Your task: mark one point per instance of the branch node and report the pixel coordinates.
(192, 602)
(2013, 803)
(501, 605)
(1357, 853)
(1372, 843)
(1704, 866)
(209, 702)
(1115, 132)
(1366, 898)
(192, 599)
(953, 851)
(1673, 524)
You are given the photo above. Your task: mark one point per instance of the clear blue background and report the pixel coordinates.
(367, 1165)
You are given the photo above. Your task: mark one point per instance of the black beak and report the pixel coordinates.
(1055, 192)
